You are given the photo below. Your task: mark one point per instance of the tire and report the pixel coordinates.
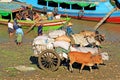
(49, 60)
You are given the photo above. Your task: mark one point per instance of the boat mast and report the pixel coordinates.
(58, 5)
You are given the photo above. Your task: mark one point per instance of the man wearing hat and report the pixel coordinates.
(69, 30)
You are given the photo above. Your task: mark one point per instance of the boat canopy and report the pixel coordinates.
(80, 3)
(8, 8)
(4, 13)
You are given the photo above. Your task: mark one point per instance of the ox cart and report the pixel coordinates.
(49, 54)
(50, 59)
(52, 50)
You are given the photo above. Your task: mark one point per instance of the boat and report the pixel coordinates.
(93, 10)
(8, 10)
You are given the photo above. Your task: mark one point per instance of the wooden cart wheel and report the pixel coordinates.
(49, 60)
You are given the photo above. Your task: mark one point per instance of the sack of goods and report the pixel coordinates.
(63, 38)
(56, 33)
(62, 44)
(41, 40)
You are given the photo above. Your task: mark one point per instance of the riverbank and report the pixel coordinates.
(12, 55)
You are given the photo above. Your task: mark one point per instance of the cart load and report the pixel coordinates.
(49, 51)
(51, 48)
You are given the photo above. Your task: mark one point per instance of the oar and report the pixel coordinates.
(30, 28)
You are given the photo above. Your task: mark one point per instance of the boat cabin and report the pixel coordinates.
(12, 9)
(69, 4)
(81, 9)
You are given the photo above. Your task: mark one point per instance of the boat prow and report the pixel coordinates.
(10, 11)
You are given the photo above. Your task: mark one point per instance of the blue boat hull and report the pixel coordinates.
(102, 8)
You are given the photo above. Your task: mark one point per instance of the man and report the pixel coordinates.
(40, 32)
(10, 29)
(15, 24)
(69, 30)
(36, 16)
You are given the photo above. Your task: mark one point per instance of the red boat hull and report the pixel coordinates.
(109, 20)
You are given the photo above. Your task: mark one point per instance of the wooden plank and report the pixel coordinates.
(104, 18)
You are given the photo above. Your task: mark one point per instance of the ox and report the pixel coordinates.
(85, 59)
(88, 33)
(99, 37)
(84, 41)
(88, 38)
(93, 51)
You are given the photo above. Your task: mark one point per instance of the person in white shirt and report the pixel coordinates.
(10, 28)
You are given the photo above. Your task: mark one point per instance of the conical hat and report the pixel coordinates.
(70, 24)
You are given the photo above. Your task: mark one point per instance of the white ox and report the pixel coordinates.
(86, 38)
(85, 49)
(99, 37)
(84, 41)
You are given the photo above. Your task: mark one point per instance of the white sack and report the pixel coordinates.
(41, 40)
(62, 44)
(85, 49)
(63, 55)
(56, 33)
(42, 43)
(41, 37)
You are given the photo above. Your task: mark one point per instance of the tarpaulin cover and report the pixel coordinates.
(80, 3)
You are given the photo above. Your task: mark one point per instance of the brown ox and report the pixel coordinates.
(85, 59)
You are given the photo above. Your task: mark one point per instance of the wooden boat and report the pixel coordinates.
(8, 10)
(81, 9)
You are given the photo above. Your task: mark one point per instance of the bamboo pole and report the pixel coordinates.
(104, 18)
